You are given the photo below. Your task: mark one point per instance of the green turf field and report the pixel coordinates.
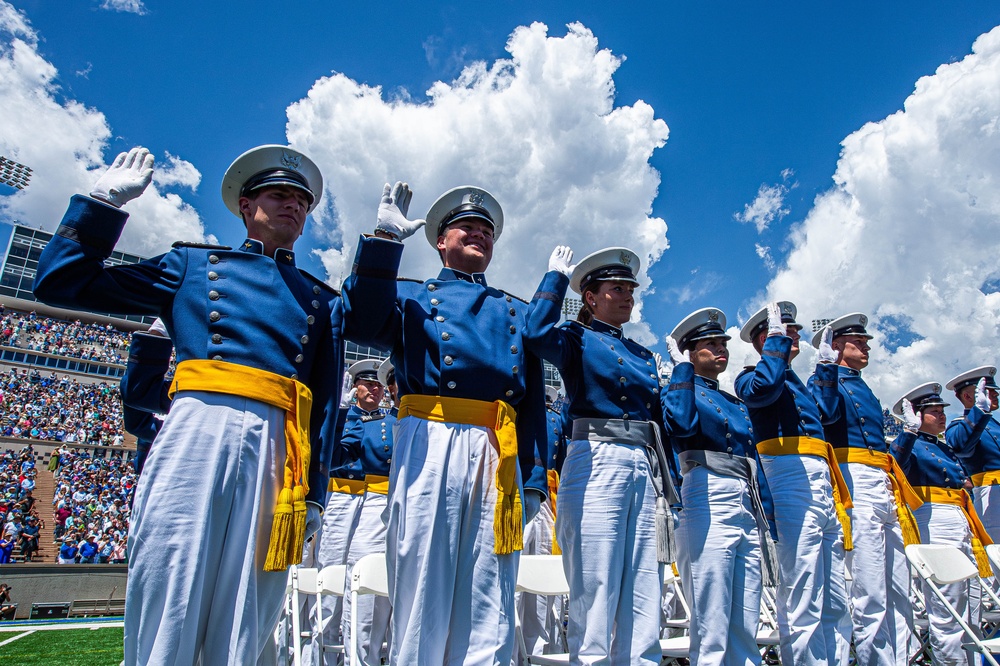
(66, 647)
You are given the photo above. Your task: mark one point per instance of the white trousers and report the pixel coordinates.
(606, 528)
(199, 535)
(541, 636)
(946, 524)
(718, 558)
(987, 501)
(373, 612)
(340, 519)
(883, 622)
(452, 596)
(814, 624)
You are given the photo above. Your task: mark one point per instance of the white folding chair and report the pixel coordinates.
(677, 647)
(542, 575)
(302, 582)
(330, 582)
(369, 576)
(943, 565)
(921, 623)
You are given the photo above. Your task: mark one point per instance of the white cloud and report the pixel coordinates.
(909, 232)
(177, 172)
(130, 6)
(540, 130)
(768, 205)
(66, 149)
(764, 252)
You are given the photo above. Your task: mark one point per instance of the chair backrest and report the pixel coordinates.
(541, 574)
(307, 580)
(993, 552)
(369, 575)
(941, 564)
(331, 580)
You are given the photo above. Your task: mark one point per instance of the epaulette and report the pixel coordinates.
(507, 293)
(371, 417)
(406, 279)
(322, 284)
(200, 246)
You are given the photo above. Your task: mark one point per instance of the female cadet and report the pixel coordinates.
(719, 550)
(607, 499)
(947, 515)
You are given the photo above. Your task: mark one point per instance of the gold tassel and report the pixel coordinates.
(281, 533)
(982, 559)
(507, 518)
(908, 525)
(552, 477)
(298, 536)
(845, 522)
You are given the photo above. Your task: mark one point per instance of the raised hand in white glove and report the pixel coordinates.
(392, 212)
(982, 399)
(345, 390)
(127, 178)
(157, 328)
(314, 519)
(774, 324)
(663, 369)
(910, 420)
(532, 504)
(827, 354)
(676, 355)
(561, 260)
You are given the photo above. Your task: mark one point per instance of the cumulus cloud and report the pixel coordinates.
(130, 6)
(768, 205)
(909, 231)
(66, 149)
(540, 130)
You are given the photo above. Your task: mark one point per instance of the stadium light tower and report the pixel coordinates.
(13, 173)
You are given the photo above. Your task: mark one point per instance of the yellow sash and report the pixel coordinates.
(289, 527)
(986, 478)
(377, 484)
(810, 446)
(552, 476)
(347, 486)
(960, 498)
(906, 498)
(500, 418)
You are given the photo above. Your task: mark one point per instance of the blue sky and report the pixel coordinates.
(755, 95)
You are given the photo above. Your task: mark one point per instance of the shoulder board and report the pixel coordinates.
(316, 280)
(405, 279)
(370, 417)
(200, 246)
(507, 293)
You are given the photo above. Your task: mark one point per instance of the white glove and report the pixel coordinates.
(392, 212)
(676, 355)
(351, 395)
(982, 399)
(827, 354)
(157, 328)
(561, 260)
(532, 504)
(663, 370)
(314, 519)
(774, 324)
(910, 420)
(127, 178)
(345, 390)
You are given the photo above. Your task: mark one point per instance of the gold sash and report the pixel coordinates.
(986, 478)
(961, 499)
(289, 527)
(500, 418)
(906, 498)
(552, 477)
(810, 446)
(347, 486)
(377, 484)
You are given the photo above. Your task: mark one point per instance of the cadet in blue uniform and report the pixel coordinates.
(881, 520)
(232, 487)
(607, 497)
(722, 520)
(541, 635)
(809, 494)
(975, 439)
(461, 450)
(145, 388)
(369, 441)
(947, 516)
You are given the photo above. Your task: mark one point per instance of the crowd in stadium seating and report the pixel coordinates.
(19, 518)
(89, 342)
(91, 506)
(48, 407)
